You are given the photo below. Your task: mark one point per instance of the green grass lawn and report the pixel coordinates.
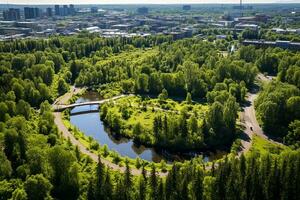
(264, 146)
(144, 111)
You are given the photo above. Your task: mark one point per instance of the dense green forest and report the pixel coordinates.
(185, 68)
(278, 104)
(37, 163)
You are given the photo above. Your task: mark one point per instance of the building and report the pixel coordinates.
(186, 7)
(142, 10)
(37, 12)
(278, 43)
(230, 16)
(93, 29)
(71, 9)
(286, 31)
(14, 30)
(188, 32)
(124, 27)
(258, 18)
(49, 12)
(221, 37)
(56, 8)
(94, 9)
(262, 18)
(31, 13)
(65, 10)
(31, 24)
(28, 13)
(226, 23)
(12, 14)
(241, 26)
(242, 7)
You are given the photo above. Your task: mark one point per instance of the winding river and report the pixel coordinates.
(87, 119)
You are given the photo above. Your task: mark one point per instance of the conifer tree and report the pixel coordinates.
(153, 182)
(108, 186)
(99, 179)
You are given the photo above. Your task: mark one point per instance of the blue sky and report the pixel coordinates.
(138, 1)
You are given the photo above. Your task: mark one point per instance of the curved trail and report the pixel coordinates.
(249, 118)
(68, 135)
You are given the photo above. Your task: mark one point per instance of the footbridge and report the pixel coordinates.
(61, 107)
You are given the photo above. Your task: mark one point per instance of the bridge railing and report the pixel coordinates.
(61, 107)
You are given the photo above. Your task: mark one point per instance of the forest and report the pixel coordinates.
(36, 162)
(278, 104)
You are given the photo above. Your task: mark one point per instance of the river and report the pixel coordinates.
(91, 125)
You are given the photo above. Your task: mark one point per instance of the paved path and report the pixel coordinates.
(68, 135)
(64, 99)
(249, 118)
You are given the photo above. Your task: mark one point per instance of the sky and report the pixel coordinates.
(139, 1)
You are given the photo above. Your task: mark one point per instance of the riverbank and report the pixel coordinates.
(248, 119)
(82, 147)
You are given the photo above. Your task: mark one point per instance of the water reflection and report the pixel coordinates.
(91, 125)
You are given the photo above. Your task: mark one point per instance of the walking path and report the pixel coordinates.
(61, 107)
(68, 135)
(249, 118)
(63, 100)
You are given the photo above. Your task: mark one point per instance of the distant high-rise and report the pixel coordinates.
(31, 13)
(49, 12)
(142, 10)
(65, 10)
(28, 13)
(241, 4)
(71, 9)
(186, 7)
(56, 8)
(37, 12)
(94, 9)
(12, 14)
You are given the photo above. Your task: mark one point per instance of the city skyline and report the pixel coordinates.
(48, 2)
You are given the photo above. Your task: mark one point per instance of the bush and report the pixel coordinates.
(105, 151)
(138, 162)
(236, 146)
(94, 145)
(116, 157)
(163, 165)
(52, 139)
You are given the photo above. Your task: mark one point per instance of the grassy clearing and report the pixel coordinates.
(264, 146)
(143, 111)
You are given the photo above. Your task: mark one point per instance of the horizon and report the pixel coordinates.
(145, 2)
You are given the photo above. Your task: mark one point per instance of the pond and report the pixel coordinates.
(87, 119)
